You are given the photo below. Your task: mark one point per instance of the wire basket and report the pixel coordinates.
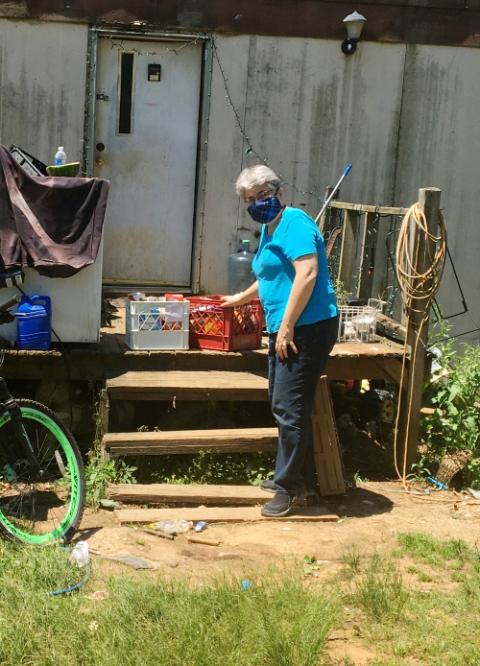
(357, 323)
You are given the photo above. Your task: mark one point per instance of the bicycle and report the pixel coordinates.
(42, 481)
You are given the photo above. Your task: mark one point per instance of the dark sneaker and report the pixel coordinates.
(281, 505)
(309, 496)
(269, 486)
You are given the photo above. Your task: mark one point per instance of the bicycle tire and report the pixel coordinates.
(20, 499)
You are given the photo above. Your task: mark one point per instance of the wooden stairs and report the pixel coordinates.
(222, 501)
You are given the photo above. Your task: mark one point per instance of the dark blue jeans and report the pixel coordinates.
(291, 385)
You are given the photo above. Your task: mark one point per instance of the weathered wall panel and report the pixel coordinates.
(224, 159)
(307, 111)
(42, 86)
(439, 146)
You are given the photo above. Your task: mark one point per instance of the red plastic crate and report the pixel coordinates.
(226, 329)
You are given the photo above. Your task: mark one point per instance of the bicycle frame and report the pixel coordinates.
(10, 405)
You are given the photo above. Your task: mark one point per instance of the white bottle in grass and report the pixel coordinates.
(80, 555)
(60, 156)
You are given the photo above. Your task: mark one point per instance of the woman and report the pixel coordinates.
(302, 321)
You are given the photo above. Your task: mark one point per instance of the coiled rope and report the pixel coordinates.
(417, 290)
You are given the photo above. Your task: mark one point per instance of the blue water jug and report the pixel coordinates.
(34, 322)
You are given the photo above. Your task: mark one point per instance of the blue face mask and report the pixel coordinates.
(264, 211)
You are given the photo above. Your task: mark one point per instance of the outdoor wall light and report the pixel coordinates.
(354, 25)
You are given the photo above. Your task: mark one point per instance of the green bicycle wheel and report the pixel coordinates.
(46, 506)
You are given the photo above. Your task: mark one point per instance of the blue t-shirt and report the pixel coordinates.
(295, 236)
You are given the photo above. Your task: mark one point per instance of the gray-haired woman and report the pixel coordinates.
(302, 321)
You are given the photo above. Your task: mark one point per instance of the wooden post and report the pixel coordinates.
(429, 201)
(369, 245)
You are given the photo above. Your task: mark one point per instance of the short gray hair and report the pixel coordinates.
(256, 176)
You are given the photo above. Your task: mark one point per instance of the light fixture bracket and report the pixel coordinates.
(349, 46)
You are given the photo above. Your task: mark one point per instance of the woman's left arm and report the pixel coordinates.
(306, 270)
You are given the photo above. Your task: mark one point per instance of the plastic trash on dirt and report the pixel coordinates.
(174, 526)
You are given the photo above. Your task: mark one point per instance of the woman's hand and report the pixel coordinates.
(285, 341)
(232, 301)
(242, 297)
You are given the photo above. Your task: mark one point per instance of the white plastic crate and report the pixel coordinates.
(157, 324)
(357, 323)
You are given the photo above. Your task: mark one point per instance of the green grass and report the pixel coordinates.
(391, 605)
(147, 620)
(433, 621)
(453, 552)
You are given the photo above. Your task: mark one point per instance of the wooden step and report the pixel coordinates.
(195, 494)
(221, 514)
(234, 440)
(184, 385)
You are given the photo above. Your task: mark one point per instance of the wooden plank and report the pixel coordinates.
(365, 349)
(363, 368)
(234, 440)
(368, 257)
(248, 514)
(90, 363)
(347, 253)
(195, 494)
(366, 208)
(186, 385)
(326, 447)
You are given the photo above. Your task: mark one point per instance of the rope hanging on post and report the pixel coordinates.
(417, 290)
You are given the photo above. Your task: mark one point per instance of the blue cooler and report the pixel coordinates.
(34, 322)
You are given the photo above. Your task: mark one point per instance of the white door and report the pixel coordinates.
(146, 133)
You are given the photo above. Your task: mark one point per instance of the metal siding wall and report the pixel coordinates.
(42, 87)
(308, 111)
(224, 161)
(439, 146)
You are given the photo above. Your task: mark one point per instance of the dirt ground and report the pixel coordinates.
(370, 517)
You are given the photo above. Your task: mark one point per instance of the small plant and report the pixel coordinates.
(352, 560)
(99, 472)
(342, 293)
(454, 423)
(207, 467)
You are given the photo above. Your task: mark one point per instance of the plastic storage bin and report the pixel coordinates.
(157, 324)
(357, 323)
(34, 322)
(225, 329)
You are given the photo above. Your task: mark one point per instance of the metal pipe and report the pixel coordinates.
(333, 192)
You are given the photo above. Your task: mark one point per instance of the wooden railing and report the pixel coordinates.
(356, 236)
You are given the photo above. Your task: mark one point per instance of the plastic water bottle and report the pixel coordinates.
(240, 274)
(60, 156)
(79, 554)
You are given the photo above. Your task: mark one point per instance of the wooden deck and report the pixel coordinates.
(111, 356)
